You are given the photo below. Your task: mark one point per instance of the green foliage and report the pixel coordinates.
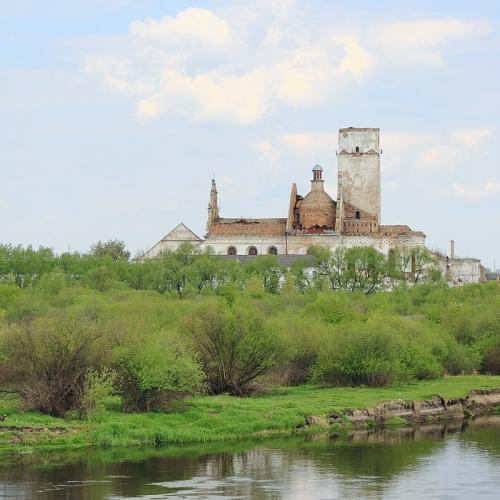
(115, 249)
(48, 360)
(237, 327)
(233, 345)
(97, 389)
(156, 371)
(379, 351)
(26, 307)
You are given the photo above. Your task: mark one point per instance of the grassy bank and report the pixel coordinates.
(213, 418)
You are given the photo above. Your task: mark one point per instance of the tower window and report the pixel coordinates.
(358, 181)
(358, 215)
(252, 251)
(231, 251)
(272, 251)
(357, 149)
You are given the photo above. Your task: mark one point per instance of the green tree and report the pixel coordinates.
(116, 249)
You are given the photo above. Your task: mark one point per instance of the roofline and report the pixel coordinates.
(359, 129)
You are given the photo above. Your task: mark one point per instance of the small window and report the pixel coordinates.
(272, 251)
(357, 149)
(231, 251)
(252, 251)
(358, 215)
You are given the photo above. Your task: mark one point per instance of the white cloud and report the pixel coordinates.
(203, 66)
(239, 64)
(446, 151)
(472, 137)
(263, 147)
(476, 192)
(194, 26)
(422, 41)
(309, 142)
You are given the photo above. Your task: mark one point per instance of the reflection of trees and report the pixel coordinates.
(361, 464)
(484, 432)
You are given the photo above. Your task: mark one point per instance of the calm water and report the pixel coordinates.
(454, 461)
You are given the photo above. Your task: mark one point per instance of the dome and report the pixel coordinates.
(317, 209)
(317, 168)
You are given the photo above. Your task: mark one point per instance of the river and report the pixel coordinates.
(452, 461)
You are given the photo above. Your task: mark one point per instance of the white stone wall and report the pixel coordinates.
(220, 244)
(359, 175)
(298, 245)
(163, 245)
(462, 271)
(365, 138)
(171, 241)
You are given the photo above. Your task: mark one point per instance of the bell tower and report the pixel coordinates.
(358, 162)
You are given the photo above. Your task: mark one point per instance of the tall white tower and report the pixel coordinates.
(358, 163)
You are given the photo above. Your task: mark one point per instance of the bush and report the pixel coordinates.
(233, 345)
(26, 307)
(155, 372)
(381, 351)
(301, 338)
(98, 388)
(49, 361)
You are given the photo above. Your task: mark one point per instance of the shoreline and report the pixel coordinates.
(282, 412)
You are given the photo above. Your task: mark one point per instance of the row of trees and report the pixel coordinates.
(188, 271)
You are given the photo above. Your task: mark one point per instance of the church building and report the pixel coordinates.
(353, 219)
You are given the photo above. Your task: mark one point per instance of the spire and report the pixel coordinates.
(213, 207)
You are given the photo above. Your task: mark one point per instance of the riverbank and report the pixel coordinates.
(214, 418)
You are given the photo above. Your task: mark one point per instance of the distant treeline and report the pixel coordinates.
(187, 271)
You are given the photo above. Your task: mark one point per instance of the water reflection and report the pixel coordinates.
(454, 460)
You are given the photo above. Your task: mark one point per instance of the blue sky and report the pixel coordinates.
(115, 113)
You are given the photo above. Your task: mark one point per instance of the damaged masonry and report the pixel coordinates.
(353, 219)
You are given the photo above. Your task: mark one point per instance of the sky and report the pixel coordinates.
(115, 114)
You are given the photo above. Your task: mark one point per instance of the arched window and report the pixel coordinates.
(358, 215)
(252, 251)
(357, 149)
(272, 251)
(231, 251)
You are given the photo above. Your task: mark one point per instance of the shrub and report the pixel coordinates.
(301, 338)
(26, 307)
(233, 345)
(490, 363)
(155, 372)
(380, 351)
(97, 389)
(48, 361)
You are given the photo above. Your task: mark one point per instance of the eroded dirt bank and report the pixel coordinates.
(477, 402)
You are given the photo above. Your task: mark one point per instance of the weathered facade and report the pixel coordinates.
(353, 219)
(316, 218)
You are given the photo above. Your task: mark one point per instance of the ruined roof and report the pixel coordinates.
(398, 229)
(255, 227)
(359, 129)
